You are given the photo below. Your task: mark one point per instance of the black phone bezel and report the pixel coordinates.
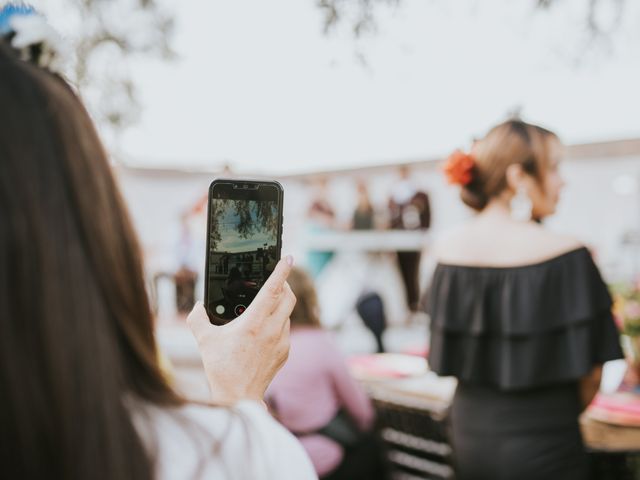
(239, 187)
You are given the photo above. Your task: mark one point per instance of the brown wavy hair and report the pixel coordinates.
(307, 311)
(510, 142)
(76, 329)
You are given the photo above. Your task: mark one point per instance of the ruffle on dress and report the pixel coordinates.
(521, 327)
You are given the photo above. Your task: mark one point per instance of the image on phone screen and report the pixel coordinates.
(243, 251)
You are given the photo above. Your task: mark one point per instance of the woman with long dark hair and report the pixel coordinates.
(519, 314)
(81, 393)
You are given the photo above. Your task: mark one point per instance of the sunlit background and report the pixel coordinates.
(347, 91)
(337, 98)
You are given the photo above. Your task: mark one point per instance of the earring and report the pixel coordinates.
(521, 206)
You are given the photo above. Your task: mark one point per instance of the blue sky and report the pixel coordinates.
(231, 240)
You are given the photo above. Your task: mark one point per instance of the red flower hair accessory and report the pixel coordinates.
(459, 168)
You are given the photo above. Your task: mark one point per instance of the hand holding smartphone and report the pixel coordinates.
(244, 243)
(241, 358)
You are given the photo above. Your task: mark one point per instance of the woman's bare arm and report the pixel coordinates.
(589, 386)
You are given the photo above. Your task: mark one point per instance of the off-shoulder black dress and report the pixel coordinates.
(518, 339)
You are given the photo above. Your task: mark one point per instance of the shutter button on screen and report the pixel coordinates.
(240, 309)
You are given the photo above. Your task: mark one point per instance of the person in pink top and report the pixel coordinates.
(316, 398)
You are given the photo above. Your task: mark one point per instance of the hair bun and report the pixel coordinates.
(473, 196)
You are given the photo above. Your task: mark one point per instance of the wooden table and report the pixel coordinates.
(600, 436)
(414, 425)
(614, 449)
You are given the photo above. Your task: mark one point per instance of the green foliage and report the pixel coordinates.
(627, 307)
(263, 219)
(361, 15)
(106, 39)
(266, 218)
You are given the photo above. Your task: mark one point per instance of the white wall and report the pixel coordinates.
(590, 208)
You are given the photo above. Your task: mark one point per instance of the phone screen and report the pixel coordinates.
(243, 245)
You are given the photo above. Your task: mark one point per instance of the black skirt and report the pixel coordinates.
(532, 434)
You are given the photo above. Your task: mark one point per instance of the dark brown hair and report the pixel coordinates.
(306, 312)
(510, 142)
(76, 337)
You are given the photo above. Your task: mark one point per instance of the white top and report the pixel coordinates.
(238, 443)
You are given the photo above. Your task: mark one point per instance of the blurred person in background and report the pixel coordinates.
(519, 315)
(409, 209)
(316, 398)
(186, 277)
(363, 216)
(82, 395)
(370, 308)
(321, 217)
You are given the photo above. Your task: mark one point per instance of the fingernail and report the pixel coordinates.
(289, 260)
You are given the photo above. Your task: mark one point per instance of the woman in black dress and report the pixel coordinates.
(519, 315)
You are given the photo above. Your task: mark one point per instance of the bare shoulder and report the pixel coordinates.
(502, 245)
(451, 242)
(545, 243)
